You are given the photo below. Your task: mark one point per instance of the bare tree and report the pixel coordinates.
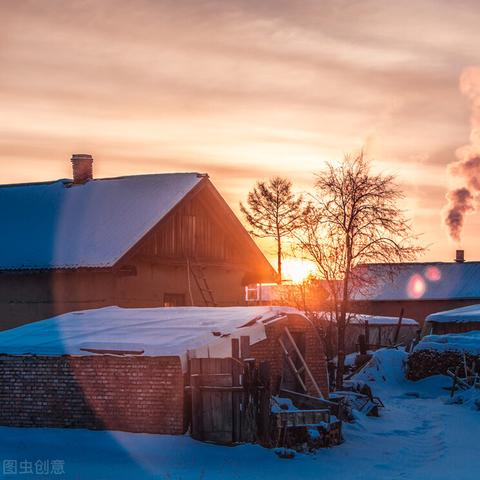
(273, 211)
(353, 219)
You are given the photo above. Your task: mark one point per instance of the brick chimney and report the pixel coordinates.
(82, 164)
(460, 256)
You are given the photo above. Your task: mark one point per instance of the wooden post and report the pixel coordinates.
(197, 430)
(264, 404)
(362, 345)
(367, 335)
(236, 396)
(455, 378)
(399, 324)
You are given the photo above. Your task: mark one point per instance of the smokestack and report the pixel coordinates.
(460, 256)
(82, 164)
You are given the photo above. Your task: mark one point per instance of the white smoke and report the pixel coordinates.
(467, 168)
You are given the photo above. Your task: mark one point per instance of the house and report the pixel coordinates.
(419, 288)
(128, 369)
(136, 241)
(458, 320)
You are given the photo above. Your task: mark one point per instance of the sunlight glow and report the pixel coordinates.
(297, 270)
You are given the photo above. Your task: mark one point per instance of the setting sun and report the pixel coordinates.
(297, 270)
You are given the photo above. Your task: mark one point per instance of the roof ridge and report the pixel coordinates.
(120, 177)
(33, 184)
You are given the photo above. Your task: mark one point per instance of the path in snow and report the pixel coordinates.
(417, 437)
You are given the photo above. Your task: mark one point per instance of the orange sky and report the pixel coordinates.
(242, 90)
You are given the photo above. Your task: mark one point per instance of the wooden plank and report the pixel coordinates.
(220, 388)
(216, 380)
(264, 404)
(309, 373)
(195, 366)
(245, 346)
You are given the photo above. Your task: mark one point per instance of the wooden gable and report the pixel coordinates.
(203, 228)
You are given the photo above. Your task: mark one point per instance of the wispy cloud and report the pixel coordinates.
(242, 89)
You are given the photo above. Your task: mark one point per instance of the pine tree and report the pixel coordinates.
(273, 211)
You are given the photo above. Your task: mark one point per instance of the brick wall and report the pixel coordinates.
(270, 350)
(136, 394)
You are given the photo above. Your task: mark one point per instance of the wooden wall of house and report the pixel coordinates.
(29, 296)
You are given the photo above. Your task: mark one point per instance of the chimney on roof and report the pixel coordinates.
(82, 164)
(460, 256)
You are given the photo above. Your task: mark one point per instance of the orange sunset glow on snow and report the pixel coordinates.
(244, 91)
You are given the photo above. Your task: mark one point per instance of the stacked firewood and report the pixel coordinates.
(424, 363)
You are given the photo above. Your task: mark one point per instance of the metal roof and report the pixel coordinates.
(422, 281)
(60, 225)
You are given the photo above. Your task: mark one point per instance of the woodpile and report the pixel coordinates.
(424, 363)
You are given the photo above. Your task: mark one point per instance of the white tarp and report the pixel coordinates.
(204, 331)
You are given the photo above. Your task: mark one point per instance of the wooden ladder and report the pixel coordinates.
(298, 371)
(198, 273)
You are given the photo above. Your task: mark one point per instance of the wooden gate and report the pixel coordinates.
(230, 398)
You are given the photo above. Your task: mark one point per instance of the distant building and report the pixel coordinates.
(127, 369)
(465, 319)
(419, 288)
(137, 241)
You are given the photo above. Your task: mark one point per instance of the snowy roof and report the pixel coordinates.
(380, 320)
(60, 225)
(423, 281)
(457, 315)
(153, 331)
(360, 319)
(468, 342)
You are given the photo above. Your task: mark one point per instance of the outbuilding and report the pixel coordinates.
(128, 369)
(458, 320)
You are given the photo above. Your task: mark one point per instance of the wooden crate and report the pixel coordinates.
(302, 418)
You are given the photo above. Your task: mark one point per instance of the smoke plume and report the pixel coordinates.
(460, 202)
(467, 168)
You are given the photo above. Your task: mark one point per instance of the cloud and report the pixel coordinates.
(242, 89)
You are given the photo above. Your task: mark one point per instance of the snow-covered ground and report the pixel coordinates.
(419, 436)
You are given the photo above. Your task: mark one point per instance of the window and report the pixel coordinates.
(174, 300)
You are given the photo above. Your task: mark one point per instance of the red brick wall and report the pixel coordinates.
(270, 350)
(136, 394)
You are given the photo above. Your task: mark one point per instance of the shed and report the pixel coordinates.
(382, 330)
(127, 369)
(458, 320)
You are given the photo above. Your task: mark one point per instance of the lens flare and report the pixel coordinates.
(416, 286)
(433, 274)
